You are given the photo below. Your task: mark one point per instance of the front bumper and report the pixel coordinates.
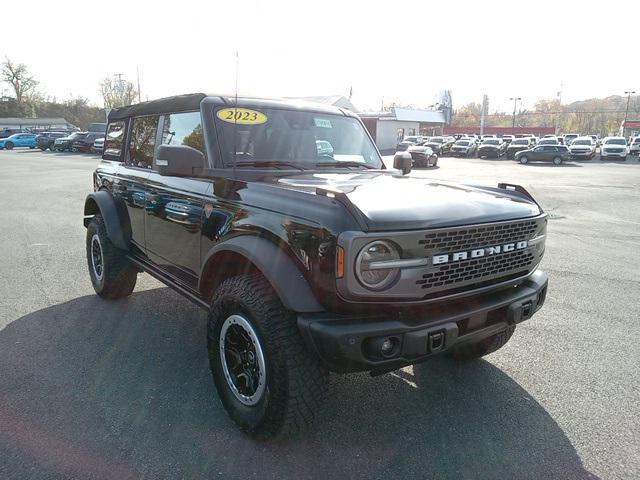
(343, 343)
(604, 153)
(488, 152)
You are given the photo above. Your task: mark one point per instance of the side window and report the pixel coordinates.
(113, 140)
(183, 129)
(143, 141)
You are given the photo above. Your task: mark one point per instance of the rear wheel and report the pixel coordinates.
(42, 148)
(471, 351)
(8, 145)
(524, 159)
(557, 160)
(112, 274)
(266, 379)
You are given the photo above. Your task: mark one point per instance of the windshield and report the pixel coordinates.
(297, 137)
(436, 140)
(548, 141)
(616, 141)
(520, 142)
(410, 139)
(491, 141)
(581, 142)
(463, 143)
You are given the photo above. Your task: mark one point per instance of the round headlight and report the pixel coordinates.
(369, 272)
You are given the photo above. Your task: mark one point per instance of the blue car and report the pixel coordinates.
(19, 140)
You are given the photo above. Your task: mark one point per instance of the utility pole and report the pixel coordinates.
(513, 122)
(120, 88)
(626, 112)
(483, 113)
(559, 109)
(138, 76)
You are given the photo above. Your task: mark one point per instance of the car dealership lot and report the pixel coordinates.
(122, 389)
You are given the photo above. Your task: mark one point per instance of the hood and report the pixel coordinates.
(489, 146)
(385, 201)
(521, 147)
(434, 144)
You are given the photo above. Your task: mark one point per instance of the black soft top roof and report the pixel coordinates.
(178, 103)
(191, 102)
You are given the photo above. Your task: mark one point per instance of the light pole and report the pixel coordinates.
(626, 112)
(513, 123)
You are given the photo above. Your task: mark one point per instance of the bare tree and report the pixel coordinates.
(117, 92)
(18, 76)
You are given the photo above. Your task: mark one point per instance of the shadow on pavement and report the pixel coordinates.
(96, 389)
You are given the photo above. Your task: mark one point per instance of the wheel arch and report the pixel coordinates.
(247, 254)
(115, 217)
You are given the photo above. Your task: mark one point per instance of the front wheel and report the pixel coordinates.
(471, 351)
(8, 146)
(557, 160)
(266, 379)
(523, 159)
(112, 274)
(42, 148)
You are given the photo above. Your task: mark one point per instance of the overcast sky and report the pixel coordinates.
(403, 51)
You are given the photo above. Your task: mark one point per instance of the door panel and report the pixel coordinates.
(129, 185)
(174, 213)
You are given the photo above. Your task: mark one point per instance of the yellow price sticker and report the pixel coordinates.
(241, 116)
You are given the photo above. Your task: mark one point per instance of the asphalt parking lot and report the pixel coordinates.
(96, 389)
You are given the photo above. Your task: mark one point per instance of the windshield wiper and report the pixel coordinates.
(345, 164)
(269, 163)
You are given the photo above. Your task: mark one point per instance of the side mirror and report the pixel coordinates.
(402, 161)
(178, 160)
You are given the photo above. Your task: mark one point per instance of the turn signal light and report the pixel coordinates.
(339, 262)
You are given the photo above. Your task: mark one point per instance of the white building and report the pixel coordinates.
(389, 128)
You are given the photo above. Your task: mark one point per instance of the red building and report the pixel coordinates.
(537, 131)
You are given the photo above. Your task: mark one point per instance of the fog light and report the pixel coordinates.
(383, 347)
(387, 347)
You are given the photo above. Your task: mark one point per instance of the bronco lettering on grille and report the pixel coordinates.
(479, 252)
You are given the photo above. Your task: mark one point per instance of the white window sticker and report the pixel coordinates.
(322, 122)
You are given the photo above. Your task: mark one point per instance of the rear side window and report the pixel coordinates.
(143, 141)
(183, 129)
(113, 140)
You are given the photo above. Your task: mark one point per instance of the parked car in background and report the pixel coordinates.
(84, 143)
(517, 145)
(492, 148)
(423, 156)
(19, 140)
(440, 145)
(549, 141)
(410, 140)
(544, 153)
(569, 138)
(7, 132)
(582, 147)
(65, 143)
(465, 147)
(614, 147)
(47, 139)
(634, 146)
(507, 139)
(98, 128)
(596, 140)
(98, 146)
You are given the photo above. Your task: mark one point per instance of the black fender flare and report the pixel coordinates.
(115, 217)
(276, 266)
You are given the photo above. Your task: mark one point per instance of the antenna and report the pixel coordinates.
(235, 117)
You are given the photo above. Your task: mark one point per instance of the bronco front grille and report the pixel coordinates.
(478, 270)
(460, 239)
(473, 272)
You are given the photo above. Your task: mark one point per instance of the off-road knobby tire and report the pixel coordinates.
(120, 275)
(296, 381)
(471, 351)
